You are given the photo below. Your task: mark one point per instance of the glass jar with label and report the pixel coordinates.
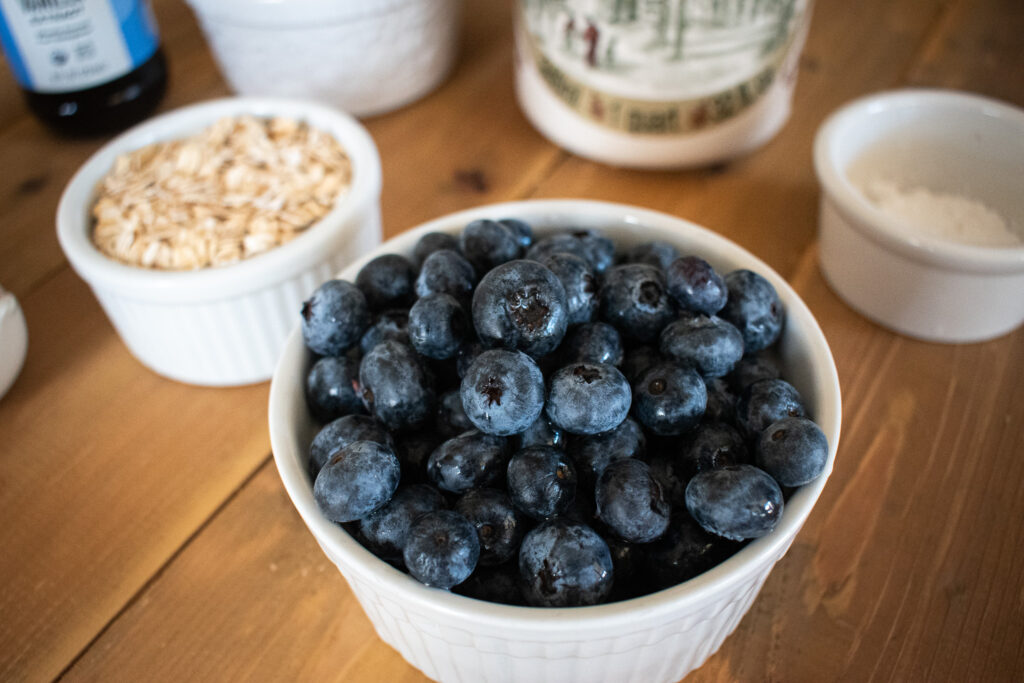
(658, 83)
(85, 66)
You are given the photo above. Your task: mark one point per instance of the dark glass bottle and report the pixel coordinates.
(85, 68)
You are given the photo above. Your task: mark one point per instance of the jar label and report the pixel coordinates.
(57, 46)
(662, 67)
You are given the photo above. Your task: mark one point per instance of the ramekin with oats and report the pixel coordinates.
(202, 230)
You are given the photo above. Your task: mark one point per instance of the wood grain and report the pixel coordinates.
(150, 539)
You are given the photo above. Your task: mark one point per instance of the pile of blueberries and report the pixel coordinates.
(551, 422)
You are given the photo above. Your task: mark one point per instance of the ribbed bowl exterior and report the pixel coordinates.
(653, 650)
(367, 61)
(233, 340)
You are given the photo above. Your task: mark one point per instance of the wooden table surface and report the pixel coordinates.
(145, 534)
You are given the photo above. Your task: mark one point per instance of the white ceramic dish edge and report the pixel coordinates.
(923, 287)
(453, 638)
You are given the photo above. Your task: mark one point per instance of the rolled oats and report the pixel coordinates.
(239, 188)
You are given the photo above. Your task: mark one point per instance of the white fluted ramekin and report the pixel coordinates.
(366, 57)
(225, 325)
(658, 637)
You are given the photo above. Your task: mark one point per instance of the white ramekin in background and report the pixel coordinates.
(921, 286)
(13, 340)
(365, 57)
(224, 325)
(655, 638)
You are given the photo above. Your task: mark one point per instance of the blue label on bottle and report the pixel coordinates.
(67, 45)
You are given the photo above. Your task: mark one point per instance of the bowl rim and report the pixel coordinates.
(74, 221)
(336, 542)
(887, 230)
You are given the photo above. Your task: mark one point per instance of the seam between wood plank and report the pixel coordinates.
(165, 565)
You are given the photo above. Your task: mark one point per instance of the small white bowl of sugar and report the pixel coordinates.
(922, 212)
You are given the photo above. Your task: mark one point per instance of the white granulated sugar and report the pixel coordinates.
(942, 215)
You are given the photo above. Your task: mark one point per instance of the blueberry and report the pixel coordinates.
(634, 300)
(594, 248)
(658, 254)
(794, 450)
(387, 282)
(637, 360)
(438, 326)
(357, 480)
(685, 551)
(593, 343)
(451, 417)
(706, 343)
(468, 461)
(766, 402)
(441, 549)
(631, 502)
(486, 244)
(503, 392)
(332, 388)
(564, 564)
(587, 398)
(385, 530)
(669, 399)
(498, 525)
(541, 433)
(520, 229)
(334, 318)
(695, 285)
(431, 242)
(712, 445)
(721, 401)
(753, 368)
(520, 305)
(396, 390)
(448, 272)
(541, 481)
(392, 324)
(594, 452)
(341, 432)
(577, 277)
(754, 308)
(736, 502)
(498, 584)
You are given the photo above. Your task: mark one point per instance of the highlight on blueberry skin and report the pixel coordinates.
(669, 399)
(695, 285)
(334, 318)
(396, 390)
(468, 461)
(442, 549)
(438, 326)
(565, 564)
(706, 343)
(765, 402)
(503, 392)
(332, 388)
(634, 299)
(387, 282)
(386, 529)
(588, 398)
(754, 308)
(631, 502)
(793, 450)
(356, 481)
(341, 432)
(521, 305)
(541, 481)
(736, 502)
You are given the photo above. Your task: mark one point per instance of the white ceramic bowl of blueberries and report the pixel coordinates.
(567, 443)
